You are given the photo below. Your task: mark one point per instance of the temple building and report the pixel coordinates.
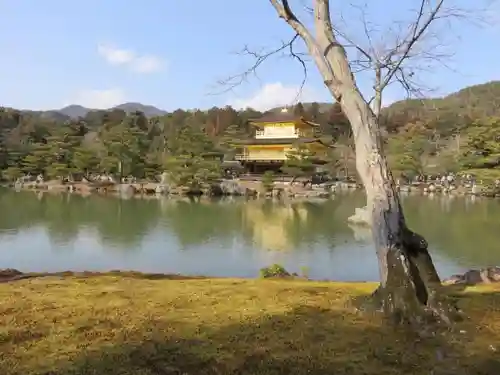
(276, 136)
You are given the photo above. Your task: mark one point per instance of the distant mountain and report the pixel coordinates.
(447, 113)
(74, 111)
(148, 110)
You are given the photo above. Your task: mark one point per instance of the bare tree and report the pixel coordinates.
(401, 52)
(410, 285)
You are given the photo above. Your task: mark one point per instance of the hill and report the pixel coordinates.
(75, 111)
(447, 114)
(450, 113)
(148, 110)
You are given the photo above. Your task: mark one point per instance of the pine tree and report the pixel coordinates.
(298, 110)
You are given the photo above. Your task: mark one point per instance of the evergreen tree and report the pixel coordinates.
(300, 162)
(187, 162)
(298, 110)
(313, 113)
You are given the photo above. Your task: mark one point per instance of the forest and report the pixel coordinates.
(456, 133)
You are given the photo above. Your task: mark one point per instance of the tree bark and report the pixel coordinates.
(409, 283)
(377, 99)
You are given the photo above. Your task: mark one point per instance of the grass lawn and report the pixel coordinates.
(113, 324)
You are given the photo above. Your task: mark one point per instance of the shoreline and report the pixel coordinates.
(245, 188)
(483, 276)
(12, 274)
(226, 188)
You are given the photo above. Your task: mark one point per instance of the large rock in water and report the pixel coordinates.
(361, 217)
(362, 233)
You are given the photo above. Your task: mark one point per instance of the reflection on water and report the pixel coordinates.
(42, 232)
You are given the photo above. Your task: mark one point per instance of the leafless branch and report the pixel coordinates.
(285, 12)
(286, 49)
(417, 30)
(396, 54)
(404, 50)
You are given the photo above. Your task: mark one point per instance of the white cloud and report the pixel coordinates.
(147, 64)
(98, 99)
(276, 95)
(115, 56)
(137, 63)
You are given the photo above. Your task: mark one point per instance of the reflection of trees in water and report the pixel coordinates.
(463, 229)
(458, 228)
(198, 221)
(124, 223)
(64, 226)
(116, 221)
(287, 226)
(270, 225)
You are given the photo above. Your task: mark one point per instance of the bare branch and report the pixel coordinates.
(396, 54)
(285, 12)
(417, 30)
(304, 69)
(404, 48)
(286, 49)
(259, 58)
(351, 44)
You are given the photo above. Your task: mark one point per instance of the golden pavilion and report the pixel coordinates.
(276, 136)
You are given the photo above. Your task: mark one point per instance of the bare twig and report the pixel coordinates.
(394, 55)
(403, 50)
(259, 57)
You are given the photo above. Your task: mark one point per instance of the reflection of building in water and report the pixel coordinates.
(270, 225)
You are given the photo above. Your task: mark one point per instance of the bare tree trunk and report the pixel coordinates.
(408, 279)
(377, 99)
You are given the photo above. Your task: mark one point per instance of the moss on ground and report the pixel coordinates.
(114, 324)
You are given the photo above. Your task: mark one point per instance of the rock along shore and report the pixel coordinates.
(248, 187)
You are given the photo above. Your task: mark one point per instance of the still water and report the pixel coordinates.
(231, 237)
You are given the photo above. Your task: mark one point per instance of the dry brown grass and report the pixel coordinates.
(128, 325)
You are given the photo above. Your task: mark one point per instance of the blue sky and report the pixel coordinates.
(171, 53)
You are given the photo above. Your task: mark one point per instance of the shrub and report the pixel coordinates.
(268, 181)
(275, 270)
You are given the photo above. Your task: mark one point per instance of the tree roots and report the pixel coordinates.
(413, 294)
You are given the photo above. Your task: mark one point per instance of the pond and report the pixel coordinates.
(235, 237)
